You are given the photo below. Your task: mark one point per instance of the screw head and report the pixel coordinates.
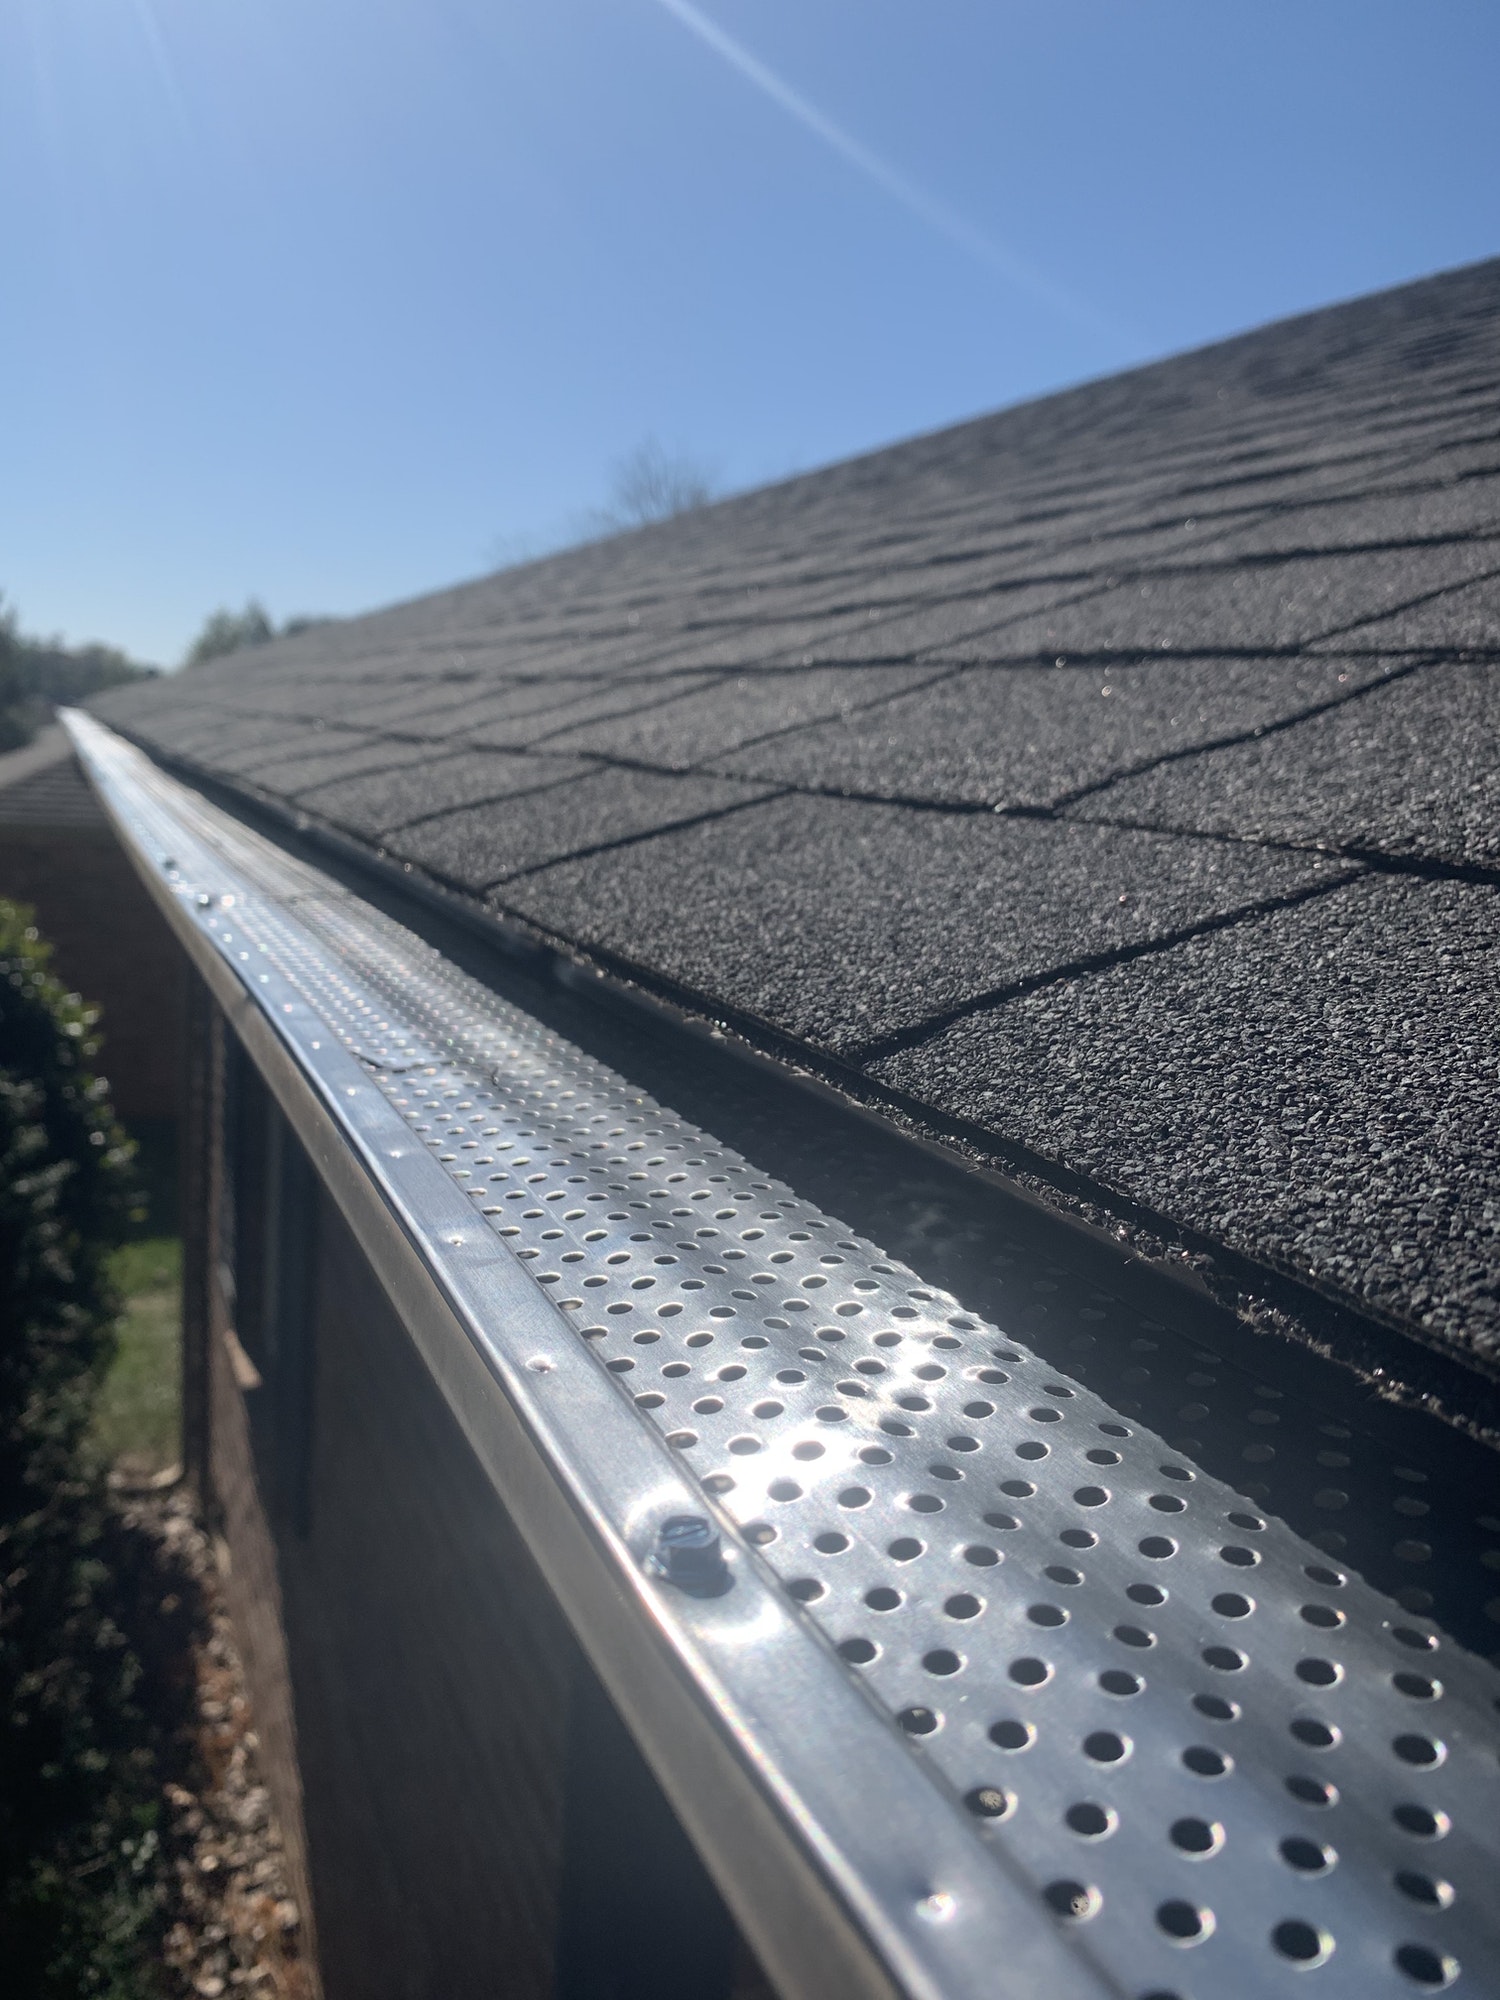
(690, 1555)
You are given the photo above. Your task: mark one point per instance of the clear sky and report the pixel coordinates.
(335, 301)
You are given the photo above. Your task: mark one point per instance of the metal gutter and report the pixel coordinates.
(1003, 1694)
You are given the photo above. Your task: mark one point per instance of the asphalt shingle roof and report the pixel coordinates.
(1115, 775)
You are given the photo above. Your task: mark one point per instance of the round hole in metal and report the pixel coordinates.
(1318, 1673)
(1103, 1746)
(1301, 1942)
(1426, 1967)
(1205, 1762)
(1419, 1642)
(1312, 1791)
(1417, 1687)
(1184, 1923)
(1420, 1750)
(1425, 1889)
(1331, 1579)
(1134, 1635)
(1074, 1901)
(1115, 1681)
(1323, 1616)
(1216, 1708)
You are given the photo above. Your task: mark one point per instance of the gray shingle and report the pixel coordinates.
(843, 923)
(480, 845)
(1410, 769)
(709, 719)
(1032, 736)
(1316, 1087)
(381, 802)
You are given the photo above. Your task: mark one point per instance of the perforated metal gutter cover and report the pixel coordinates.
(1003, 1697)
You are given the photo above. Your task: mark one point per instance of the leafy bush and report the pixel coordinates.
(89, 1694)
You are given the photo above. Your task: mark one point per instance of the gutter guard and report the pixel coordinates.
(1003, 1696)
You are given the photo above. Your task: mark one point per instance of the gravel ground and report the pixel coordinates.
(234, 1927)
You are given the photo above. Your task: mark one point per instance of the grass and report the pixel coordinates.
(137, 1423)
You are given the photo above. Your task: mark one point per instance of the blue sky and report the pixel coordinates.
(335, 301)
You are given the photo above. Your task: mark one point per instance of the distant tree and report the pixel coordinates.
(225, 631)
(652, 484)
(12, 729)
(38, 675)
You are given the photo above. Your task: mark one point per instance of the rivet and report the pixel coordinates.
(938, 1907)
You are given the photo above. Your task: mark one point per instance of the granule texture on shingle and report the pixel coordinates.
(701, 723)
(481, 845)
(379, 803)
(1244, 607)
(1411, 768)
(323, 756)
(1455, 621)
(840, 922)
(1032, 736)
(1319, 1086)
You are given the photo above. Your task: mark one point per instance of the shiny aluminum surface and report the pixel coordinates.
(1215, 1757)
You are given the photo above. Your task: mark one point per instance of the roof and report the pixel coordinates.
(1111, 780)
(41, 787)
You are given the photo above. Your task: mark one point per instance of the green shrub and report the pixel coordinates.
(83, 1699)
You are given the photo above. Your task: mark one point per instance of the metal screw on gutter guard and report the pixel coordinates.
(689, 1554)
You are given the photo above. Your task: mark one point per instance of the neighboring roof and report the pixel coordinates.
(1114, 777)
(42, 788)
